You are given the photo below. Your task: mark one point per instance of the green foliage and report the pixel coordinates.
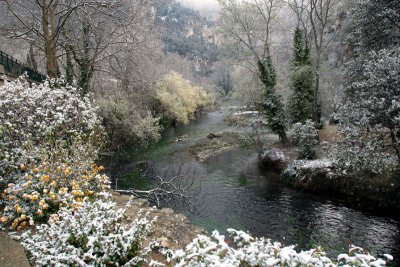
(127, 122)
(374, 24)
(272, 104)
(300, 102)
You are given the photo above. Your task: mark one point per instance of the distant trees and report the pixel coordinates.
(250, 44)
(300, 102)
(178, 99)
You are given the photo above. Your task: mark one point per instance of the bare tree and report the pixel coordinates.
(86, 31)
(247, 27)
(94, 35)
(175, 188)
(40, 22)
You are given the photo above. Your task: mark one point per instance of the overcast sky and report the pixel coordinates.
(206, 7)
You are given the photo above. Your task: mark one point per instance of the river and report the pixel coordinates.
(235, 194)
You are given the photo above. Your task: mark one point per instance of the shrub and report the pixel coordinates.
(93, 235)
(179, 99)
(39, 192)
(305, 137)
(37, 118)
(249, 251)
(126, 122)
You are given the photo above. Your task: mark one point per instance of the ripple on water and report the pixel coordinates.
(235, 195)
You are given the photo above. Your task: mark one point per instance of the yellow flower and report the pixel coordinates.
(36, 170)
(39, 212)
(11, 197)
(53, 184)
(101, 168)
(45, 178)
(18, 208)
(23, 216)
(34, 197)
(30, 182)
(67, 171)
(58, 169)
(22, 167)
(3, 219)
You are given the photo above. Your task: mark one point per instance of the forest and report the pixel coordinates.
(264, 133)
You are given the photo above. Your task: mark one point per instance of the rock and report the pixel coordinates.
(11, 253)
(167, 211)
(213, 135)
(314, 175)
(181, 138)
(271, 159)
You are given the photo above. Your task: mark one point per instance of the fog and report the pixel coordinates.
(206, 7)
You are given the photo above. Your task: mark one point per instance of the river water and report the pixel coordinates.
(235, 194)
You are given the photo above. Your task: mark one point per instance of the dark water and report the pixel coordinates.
(235, 194)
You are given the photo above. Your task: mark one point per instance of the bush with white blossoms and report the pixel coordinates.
(94, 235)
(249, 251)
(305, 137)
(35, 118)
(50, 137)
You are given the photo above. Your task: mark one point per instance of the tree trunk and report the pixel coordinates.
(50, 42)
(315, 98)
(283, 137)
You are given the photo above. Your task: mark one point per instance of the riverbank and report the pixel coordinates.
(170, 229)
(234, 193)
(322, 176)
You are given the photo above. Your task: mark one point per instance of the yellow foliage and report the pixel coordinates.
(179, 98)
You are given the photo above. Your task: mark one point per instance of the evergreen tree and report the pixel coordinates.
(272, 105)
(300, 102)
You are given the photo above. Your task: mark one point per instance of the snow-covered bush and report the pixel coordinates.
(358, 160)
(37, 118)
(305, 137)
(249, 251)
(126, 122)
(370, 118)
(93, 235)
(39, 192)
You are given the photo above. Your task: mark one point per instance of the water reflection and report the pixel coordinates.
(234, 194)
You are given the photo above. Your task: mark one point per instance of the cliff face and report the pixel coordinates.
(187, 33)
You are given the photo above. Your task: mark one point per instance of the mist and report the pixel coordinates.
(206, 7)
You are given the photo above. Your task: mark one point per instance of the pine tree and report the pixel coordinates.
(300, 102)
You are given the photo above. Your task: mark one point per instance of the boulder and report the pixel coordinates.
(272, 159)
(315, 176)
(213, 135)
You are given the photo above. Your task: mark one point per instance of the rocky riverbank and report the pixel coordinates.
(171, 230)
(322, 176)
